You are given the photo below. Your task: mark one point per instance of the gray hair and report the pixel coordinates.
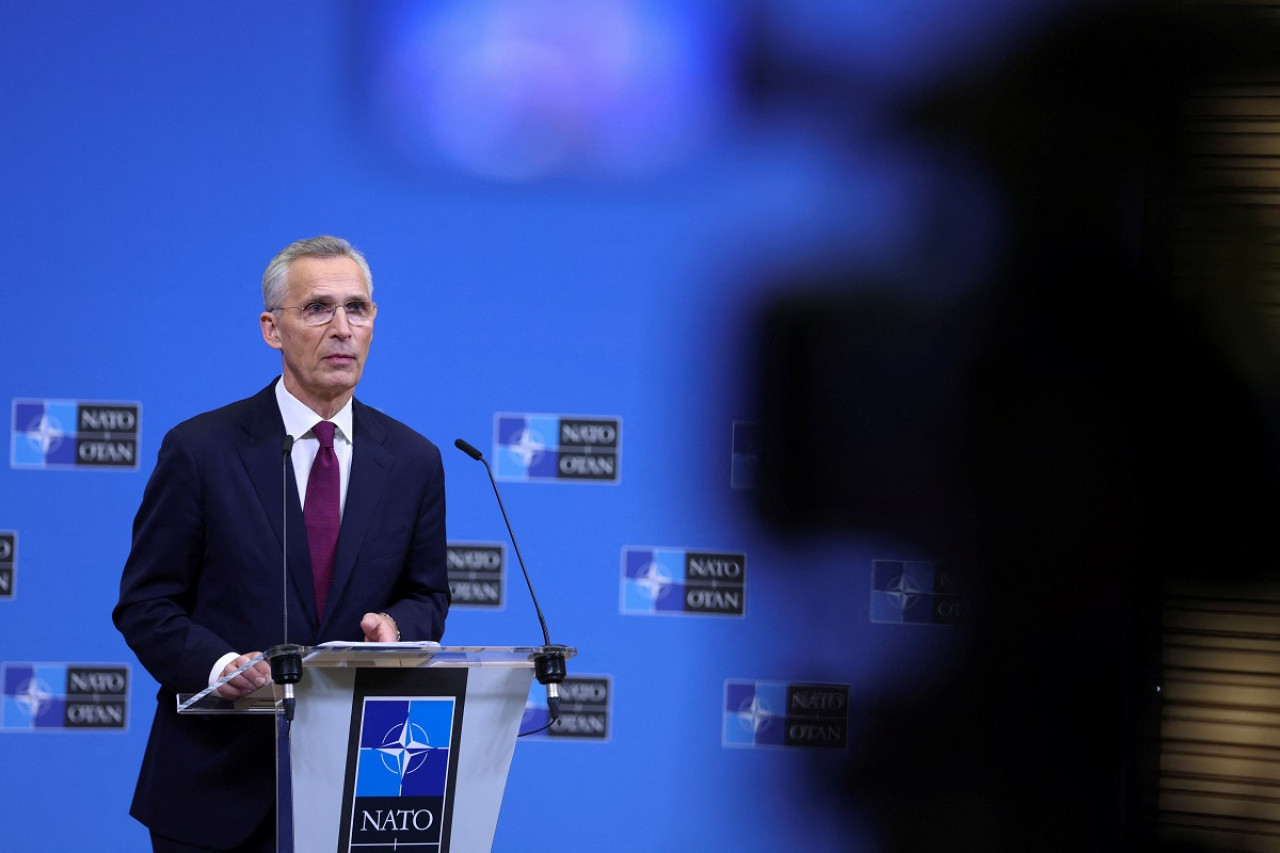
(275, 279)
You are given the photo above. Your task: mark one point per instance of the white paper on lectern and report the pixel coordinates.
(400, 644)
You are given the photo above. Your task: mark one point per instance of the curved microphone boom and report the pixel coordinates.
(549, 665)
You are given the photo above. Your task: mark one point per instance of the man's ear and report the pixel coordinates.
(271, 330)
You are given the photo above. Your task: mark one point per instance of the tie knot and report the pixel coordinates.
(324, 432)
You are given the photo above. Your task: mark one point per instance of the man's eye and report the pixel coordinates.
(357, 309)
(315, 309)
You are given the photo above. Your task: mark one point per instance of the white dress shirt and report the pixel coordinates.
(299, 422)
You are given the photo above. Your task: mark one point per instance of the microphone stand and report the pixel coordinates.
(549, 663)
(286, 658)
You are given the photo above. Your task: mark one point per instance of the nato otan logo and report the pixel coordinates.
(585, 703)
(916, 592)
(477, 574)
(62, 696)
(402, 773)
(681, 581)
(557, 448)
(781, 714)
(74, 434)
(8, 562)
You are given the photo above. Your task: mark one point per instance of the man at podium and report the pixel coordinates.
(299, 515)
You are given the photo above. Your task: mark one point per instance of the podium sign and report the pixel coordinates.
(404, 749)
(395, 746)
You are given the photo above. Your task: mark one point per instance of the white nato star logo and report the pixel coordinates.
(903, 591)
(405, 748)
(654, 581)
(45, 433)
(32, 696)
(528, 446)
(755, 715)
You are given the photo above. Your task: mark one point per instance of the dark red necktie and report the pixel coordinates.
(322, 512)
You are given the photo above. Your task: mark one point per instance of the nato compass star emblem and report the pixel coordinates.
(33, 696)
(904, 591)
(528, 446)
(404, 748)
(655, 582)
(755, 715)
(45, 433)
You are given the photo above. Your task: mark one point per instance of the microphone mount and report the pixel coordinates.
(286, 670)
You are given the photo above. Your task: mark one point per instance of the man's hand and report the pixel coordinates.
(379, 628)
(246, 682)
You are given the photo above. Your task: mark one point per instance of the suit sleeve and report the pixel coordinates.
(422, 599)
(158, 585)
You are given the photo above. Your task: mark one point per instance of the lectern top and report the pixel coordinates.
(363, 654)
(423, 654)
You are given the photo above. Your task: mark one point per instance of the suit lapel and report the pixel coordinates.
(370, 465)
(262, 453)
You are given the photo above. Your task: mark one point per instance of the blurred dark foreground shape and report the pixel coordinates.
(1089, 438)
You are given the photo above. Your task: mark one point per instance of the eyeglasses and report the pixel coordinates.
(319, 313)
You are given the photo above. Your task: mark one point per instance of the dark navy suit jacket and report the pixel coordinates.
(205, 577)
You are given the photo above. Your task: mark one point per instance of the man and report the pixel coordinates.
(201, 593)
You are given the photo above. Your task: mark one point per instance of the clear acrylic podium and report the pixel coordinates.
(393, 746)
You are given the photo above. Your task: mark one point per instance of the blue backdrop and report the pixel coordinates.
(569, 212)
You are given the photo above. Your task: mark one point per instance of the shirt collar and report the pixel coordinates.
(299, 419)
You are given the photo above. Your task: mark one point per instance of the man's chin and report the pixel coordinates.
(342, 373)
(334, 384)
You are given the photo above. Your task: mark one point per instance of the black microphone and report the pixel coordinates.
(548, 666)
(285, 659)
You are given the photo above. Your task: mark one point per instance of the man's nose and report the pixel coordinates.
(339, 325)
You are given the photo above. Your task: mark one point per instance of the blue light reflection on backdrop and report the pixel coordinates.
(512, 90)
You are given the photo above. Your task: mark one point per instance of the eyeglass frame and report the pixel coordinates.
(333, 311)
